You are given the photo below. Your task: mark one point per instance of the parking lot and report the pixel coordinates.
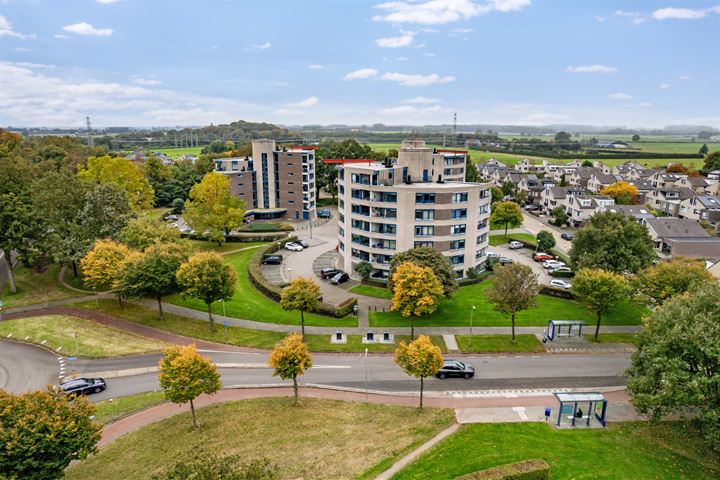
(523, 256)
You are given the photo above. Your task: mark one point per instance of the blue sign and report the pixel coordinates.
(72, 358)
(225, 323)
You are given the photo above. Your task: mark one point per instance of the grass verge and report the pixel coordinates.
(108, 411)
(498, 344)
(203, 245)
(496, 240)
(631, 338)
(36, 288)
(623, 450)
(351, 437)
(93, 339)
(371, 291)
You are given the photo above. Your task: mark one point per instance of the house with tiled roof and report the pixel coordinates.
(682, 237)
(581, 176)
(599, 181)
(668, 199)
(704, 208)
(553, 197)
(580, 209)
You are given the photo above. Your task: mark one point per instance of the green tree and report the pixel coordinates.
(563, 137)
(289, 359)
(206, 277)
(185, 375)
(152, 273)
(507, 214)
(212, 208)
(497, 195)
(666, 279)
(123, 173)
(416, 292)
(677, 363)
(560, 216)
(325, 173)
(102, 266)
(545, 241)
(612, 241)
(507, 189)
(427, 257)
(711, 162)
(17, 223)
(182, 176)
(142, 232)
(42, 432)
(471, 171)
(586, 163)
(636, 138)
(515, 288)
(364, 269)
(157, 173)
(207, 465)
(704, 149)
(420, 358)
(302, 294)
(600, 290)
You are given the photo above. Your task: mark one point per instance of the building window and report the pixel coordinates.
(341, 203)
(424, 198)
(457, 229)
(424, 231)
(423, 244)
(424, 214)
(457, 245)
(459, 197)
(457, 259)
(360, 224)
(341, 231)
(459, 213)
(386, 228)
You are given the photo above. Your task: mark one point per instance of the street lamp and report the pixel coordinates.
(471, 318)
(289, 274)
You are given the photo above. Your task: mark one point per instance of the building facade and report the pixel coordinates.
(390, 207)
(275, 182)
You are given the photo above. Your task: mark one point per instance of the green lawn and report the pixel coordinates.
(496, 240)
(108, 411)
(225, 247)
(455, 312)
(320, 439)
(176, 152)
(156, 213)
(621, 451)
(34, 288)
(266, 227)
(372, 291)
(631, 338)
(249, 304)
(93, 339)
(498, 344)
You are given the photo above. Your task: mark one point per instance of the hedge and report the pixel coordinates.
(557, 292)
(242, 238)
(376, 282)
(526, 470)
(471, 281)
(344, 308)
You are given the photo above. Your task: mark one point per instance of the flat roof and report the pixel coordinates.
(266, 210)
(579, 397)
(568, 322)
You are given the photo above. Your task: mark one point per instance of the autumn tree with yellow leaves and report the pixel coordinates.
(212, 209)
(290, 358)
(123, 173)
(416, 292)
(302, 294)
(205, 276)
(101, 267)
(621, 191)
(420, 358)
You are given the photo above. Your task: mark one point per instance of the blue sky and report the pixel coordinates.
(165, 63)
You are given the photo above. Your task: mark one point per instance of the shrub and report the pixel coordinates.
(344, 308)
(556, 292)
(525, 470)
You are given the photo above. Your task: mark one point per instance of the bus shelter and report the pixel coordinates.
(572, 404)
(564, 328)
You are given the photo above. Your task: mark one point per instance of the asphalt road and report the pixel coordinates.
(28, 367)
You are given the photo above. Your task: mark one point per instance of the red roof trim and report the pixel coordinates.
(305, 147)
(452, 151)
(348, 160)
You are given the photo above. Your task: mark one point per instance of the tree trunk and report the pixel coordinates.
(120, 300)
(159, 300)
(295, 389)
(597, 327)
(75, 270)
(513, 326)
(302, 325)
(10, 274)
(506, 229)
(210, 317)
(192, 409)
(421, 391)
(412, 328)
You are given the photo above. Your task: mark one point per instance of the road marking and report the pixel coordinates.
(521, 412)
(58, 348)
(26, 337)
(331, 366)
(9, 335)
(41, 343)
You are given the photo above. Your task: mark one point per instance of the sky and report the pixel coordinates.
(534, 62)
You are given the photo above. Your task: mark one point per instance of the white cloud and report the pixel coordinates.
(289, 111)
(591, 69)
(107, 2)
(421, 99)
(84, 28)
(308, 102)
(362, 73)
(30, 65)
(671, 13)
(408, 109)
(6, 30)
(315, 66)
(664, 86)
(403, 40)
(60, 36)
(462, 30)
(414, 80)
(263, 46)
(280, 83)
(428, 54)
(23, 49)
(620, 96)
(402, 59)
(683, 77)
(439, 12)
(150, 82)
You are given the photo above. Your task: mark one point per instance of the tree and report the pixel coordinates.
(41, 432)
(142, 232)
(612, 241)
(157, 173)
(507, 189)
(586, 163)
(471, 171)
(152, 273)
(711, 162)
(420, 358)
(677, 363)
(206, 277)
(667, 279)
(507, 214)
(704, 149)
(185, 375)
(326, 174)
(621, 191)
(496, 195)
(515, 288)
(416, 292)
(364, 269)
(302, 294)
(600, 290)
(123, 173)
(636, 138)
(102, 266)
(560, 216)
(545, 241)
(289, 359)
(427, 257)
(211, 208)
(563, 137)
(206, 465)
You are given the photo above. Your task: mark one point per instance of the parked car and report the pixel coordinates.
(324, 213)
(303, 243)
(560, 284)
(339, 278)
(329, 272)
(380, 274)
(562, 272)
(186, 229)
(540, 257)
(295, 247)
(531, 207)
(272, 260)
(566, 236)
(171, 217)
(550, 264)
(455, 368)
(83, 386)
(514, 245)
(491, 254)
(504, 260)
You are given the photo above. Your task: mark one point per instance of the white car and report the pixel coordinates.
(552, 264)
(560, 284)
(491, 254)
(514, 245)
(294, 247)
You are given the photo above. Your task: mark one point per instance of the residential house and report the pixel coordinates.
(714, 175)
(533, 187)
(526, 166)
(581, 176)
(643, 187)
(682, 237)
(661, 179)
(637, 212)
(641, 173)
(599, 181)
(553, 197)
(696, 184)
(580, 209)
(668, 199)
(187, 158)
(626, 168)
(605, 169)
(704, 208)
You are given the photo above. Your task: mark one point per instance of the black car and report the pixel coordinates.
(566, 236)
(339, 278)
(272, 260)
(455, 368)
(329, 272)
(303, 243)
(83, 386)
(324, 213)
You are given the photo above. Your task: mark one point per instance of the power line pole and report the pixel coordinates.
(454, 139)
(89, 132)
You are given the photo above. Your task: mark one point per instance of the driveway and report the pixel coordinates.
(533, 225)
(523, 256)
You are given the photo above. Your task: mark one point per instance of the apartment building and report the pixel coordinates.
(275, 182)
(390, 207)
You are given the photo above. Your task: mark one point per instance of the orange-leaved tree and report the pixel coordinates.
(290, 358)
(420, 358)
(416, 292)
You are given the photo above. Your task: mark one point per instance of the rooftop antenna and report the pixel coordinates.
(414, 138)
(91, 143)
(454, 139)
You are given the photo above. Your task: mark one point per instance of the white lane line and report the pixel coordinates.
(9, 335)
(521, 413)
(43, 342)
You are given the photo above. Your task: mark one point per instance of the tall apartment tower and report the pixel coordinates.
(420, 200)
(275, 182)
